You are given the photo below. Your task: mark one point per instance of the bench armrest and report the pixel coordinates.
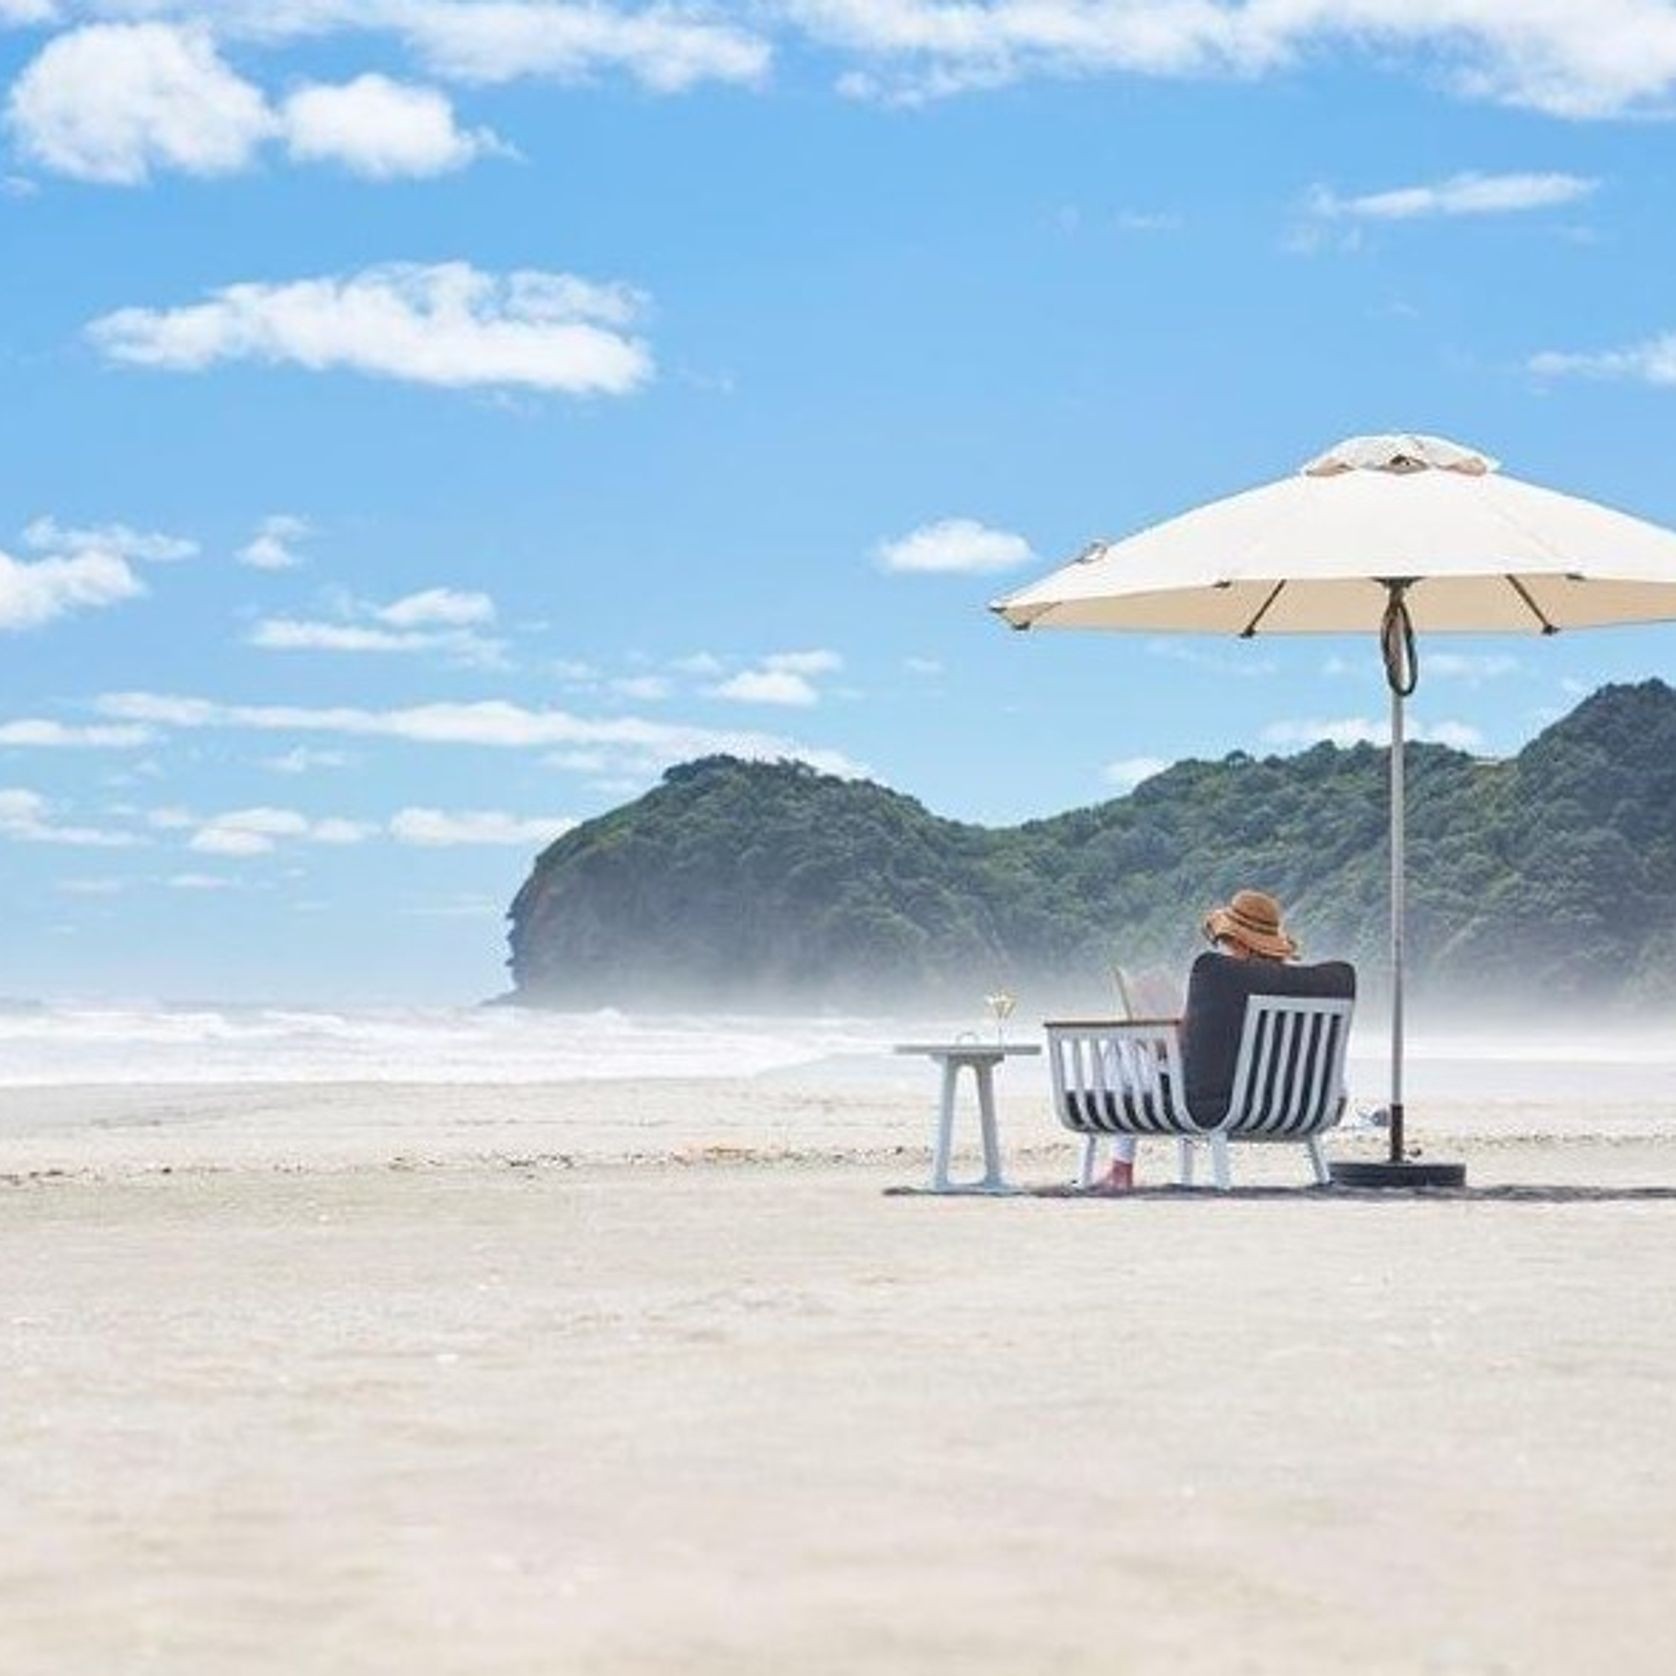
(1115, 1026)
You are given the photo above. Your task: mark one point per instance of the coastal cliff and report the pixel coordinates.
(1550, 875)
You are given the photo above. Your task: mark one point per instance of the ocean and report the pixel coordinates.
(61, 1044)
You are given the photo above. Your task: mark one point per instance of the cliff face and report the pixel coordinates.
(1551, 875)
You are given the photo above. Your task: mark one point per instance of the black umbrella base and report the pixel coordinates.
(1366, 1172)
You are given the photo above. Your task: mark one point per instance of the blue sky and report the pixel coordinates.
(427, 419)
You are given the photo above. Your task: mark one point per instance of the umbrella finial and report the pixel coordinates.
(1401, 453)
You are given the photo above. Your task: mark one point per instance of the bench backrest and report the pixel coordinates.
(1228, 1034)
(1289, 1077)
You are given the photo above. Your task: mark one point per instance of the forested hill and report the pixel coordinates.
(1551, 874)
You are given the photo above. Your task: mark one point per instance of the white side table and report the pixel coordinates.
(980, 1058)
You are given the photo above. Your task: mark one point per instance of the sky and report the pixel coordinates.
(427, 420)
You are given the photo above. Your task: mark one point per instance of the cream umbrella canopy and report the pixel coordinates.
(1393, 535)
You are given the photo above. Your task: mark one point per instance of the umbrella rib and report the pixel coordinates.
(1536, 610)
(1262, 611)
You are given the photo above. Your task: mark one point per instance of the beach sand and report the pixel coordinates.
(655, 1377)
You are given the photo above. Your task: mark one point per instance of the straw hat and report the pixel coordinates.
(1252, 919)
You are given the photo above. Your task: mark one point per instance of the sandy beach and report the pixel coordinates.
(656, 1377)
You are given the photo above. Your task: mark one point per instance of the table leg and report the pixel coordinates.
(945, 1131)
(986, 1120)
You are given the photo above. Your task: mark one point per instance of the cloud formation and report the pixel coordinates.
(1652, 361)
(1346, 731)
(447, 325)
(954, 546)
(441, 620)
(82, 569)
(492, 723)
(47, 535)
(447, 829)
(36, 592)
(118, 103)
(240, 833)
(35, 733)
(381, 130)
(1606, 58)
(1464, 194)
(26, 817)
(274, 545)
(1603, 59)
(114, 103)
(785, 678)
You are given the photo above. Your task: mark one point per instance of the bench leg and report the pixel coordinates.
(944, 1142)
(1090, 1159)
(1219, 1162)
(1186, 1160)
(1318, 1160)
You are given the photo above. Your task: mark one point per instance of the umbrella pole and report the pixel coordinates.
(1398, 881)
(1398, 1170)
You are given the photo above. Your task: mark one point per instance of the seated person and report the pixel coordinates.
(1249, 928)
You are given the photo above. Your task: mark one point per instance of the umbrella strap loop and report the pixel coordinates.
(1396, 641)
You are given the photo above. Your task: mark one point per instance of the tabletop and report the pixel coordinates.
(971, 1050)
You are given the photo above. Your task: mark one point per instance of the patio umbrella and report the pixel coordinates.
(1392, 535)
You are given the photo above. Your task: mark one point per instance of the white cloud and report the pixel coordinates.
(447, 325)
(47, 535)
(1600, 59)
(35, 733)
(1472, 667)
(1653, 361)
(274, 545)
(955, 545)
(112, 103)
(922, 666)
(767, 686)
(33, 593)
(1463, 194)
(1564, 57)
(785, 678)
(491, 723)
(27, 817)
(116, 103)
(1368, 730)
(300, 759)
(447, 607)
(381, 129)
(91, 887)
(241, 833)
(1128, 772)
(442, 828)
(198, 881)
(401, 627)
(819, 662)
(17, 14)
(289, 634)
(663, 47)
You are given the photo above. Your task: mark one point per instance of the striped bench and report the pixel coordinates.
(1127, 1078)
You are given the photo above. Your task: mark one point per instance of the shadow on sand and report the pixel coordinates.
(1511, 1194)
